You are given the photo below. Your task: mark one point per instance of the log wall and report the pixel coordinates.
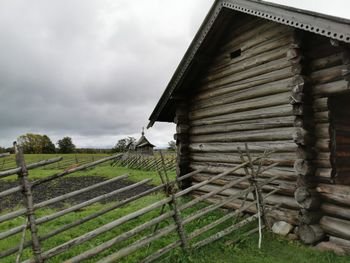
(328, 71)
(246, 95)
(182, 141)
(275, 88)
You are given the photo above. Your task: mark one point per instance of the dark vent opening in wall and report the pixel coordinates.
(339, 106)
(235, 54)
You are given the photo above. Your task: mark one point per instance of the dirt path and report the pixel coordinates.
(66, 185)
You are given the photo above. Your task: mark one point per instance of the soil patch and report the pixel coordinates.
(62, 186)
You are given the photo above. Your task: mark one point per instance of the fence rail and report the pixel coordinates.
(173, 207)
(8, 161)
(27, 187)
(148, 162)
(2, 155)
(180, 221)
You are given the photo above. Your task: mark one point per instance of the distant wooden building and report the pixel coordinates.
(143, 146)
(277, 78)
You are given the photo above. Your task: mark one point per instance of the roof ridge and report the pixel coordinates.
(321, 24)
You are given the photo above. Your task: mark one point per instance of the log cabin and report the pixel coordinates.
(142, 145)
(277, 78)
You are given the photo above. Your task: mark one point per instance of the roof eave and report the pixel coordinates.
(179, 69)
(329, 26)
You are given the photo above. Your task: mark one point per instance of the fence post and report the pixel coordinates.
(173, 205)
(179, 223)
(28, 196)
(21, 245)
(257, 191)
(255, 174)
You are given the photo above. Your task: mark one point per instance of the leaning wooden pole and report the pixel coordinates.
(170, 190)
(21, 244)
(179, 223)
(258, 197)
(29, 167)
(29, 203)
(83, 220)
(58, 175)
(2, 155)
(165, 182)
(61, 198)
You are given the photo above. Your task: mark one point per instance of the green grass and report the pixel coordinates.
(47, 170)
(104, 170)
(134, 175)
(274, 250)
(32, 158)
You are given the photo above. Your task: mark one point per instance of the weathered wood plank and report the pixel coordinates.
(336, 227)
(244, 94)
(282, 200)
(280, 134)
(334, 210)
(255, 147)
(251, 104)
(278, 111)
(254, 72)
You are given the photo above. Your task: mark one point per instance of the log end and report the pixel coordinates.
(311, 234)
(307, 199)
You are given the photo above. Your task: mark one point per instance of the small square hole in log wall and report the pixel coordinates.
(235, 54)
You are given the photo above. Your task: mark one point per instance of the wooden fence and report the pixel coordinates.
(148, 162)
(8, 162)
(172, 207)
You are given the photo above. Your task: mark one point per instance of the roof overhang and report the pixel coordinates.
(197, 54)
(145, 144)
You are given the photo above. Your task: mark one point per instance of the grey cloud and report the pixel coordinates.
(89, 69)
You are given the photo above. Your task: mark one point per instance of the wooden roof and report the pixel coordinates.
(221, 13)
(142, 142)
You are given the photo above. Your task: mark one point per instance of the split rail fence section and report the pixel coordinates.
(26, 188)
(7, 162)
(148, 162)
(172, 218)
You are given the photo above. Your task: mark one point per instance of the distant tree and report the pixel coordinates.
(92, 150)
(124, 144)
(65, 145)
(2, 150)
(10, 150)
(36, 143)
(48, 145)
(172, 145)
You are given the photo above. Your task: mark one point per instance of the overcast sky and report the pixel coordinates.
(94, 69)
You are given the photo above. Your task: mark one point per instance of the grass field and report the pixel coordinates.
(274, 249)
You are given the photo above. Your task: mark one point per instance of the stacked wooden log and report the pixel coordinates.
(340, 108)
(326, 76)
(328, 71)
(244, 97)
(306, 195)
(266, 88)
(181, 137)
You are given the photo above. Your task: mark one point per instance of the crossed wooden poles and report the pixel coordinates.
(173, 192)
(252, 173)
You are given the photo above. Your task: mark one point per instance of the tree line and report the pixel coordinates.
(42, 144)
(123, 145)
